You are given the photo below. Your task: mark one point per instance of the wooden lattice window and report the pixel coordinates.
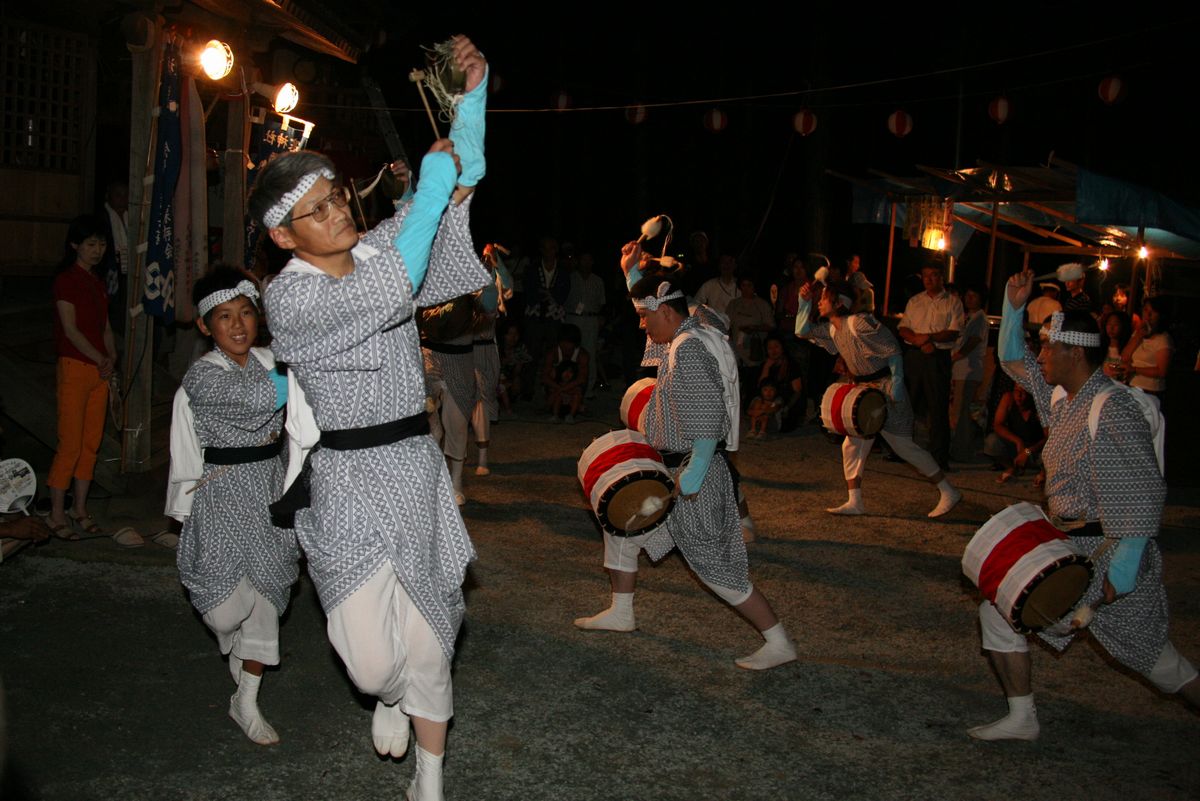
(44, 73)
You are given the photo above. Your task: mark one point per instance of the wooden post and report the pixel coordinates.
(992, 242)
(887, 283)
(139, 329)
(233, 237)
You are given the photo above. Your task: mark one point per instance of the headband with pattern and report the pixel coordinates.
(214, 299)
(652, 302)
(1081, 339)
(276, 213)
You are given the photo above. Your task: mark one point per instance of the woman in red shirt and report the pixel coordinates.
(86, 360)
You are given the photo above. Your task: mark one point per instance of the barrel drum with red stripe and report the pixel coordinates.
(619, 471)
(855, 410)
(1028, 568)
(634, 402)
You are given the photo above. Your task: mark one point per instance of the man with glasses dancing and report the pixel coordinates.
(386, 545)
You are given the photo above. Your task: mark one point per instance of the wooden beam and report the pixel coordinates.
(887, 284)
(233, 232)
(992, 242)
(983, 228)
(1034, 229)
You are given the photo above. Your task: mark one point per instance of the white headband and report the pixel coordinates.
(652, 302)
(276, 213)
(211, 301)
(1079, 338)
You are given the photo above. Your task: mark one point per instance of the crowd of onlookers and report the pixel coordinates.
(570, 331)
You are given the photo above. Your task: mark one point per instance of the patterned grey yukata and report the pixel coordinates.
(686, 405)
(1114, 479)
(456, 371)
(865, 345)
(354, 347)
(228, 534)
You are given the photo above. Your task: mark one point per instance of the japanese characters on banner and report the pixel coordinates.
(159, 287)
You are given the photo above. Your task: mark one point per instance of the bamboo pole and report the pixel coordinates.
(991, 262)
(887, 285)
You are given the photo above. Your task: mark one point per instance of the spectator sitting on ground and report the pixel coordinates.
(782, 372)
(18, 531)
(1017, 436)
(564, 373)
(513, 358)
(762, 409)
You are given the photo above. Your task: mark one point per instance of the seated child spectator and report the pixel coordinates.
(513, 358)
(763, 408)
(564, 374)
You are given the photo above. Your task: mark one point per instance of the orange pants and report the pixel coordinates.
(82, 401)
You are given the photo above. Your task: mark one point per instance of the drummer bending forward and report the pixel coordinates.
(692, 409)
(873, 357)
(1101, 482)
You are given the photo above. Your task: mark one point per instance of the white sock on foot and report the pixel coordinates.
(1020, 723)
(618, 616)
(389, 729)
(427, 781)
(950, 498)
(852, 506)
(777, 650)
(243, 708)
(482, 468)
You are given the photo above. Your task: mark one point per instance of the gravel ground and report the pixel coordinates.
(115, 689)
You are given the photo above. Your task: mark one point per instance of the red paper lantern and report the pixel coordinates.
(900, 123)
(998, 109)
(562, 101)
(1110, 89)
(805, 122)
(715, 120)
(636, 115)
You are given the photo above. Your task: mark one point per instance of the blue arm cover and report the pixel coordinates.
(505, 275)
(279, 379)
(1127, 558)
(896, 365)
(1010, 344)
(633, 276)
(415, 239)
(803, 317)
(466, 132)
(489, 298)
(408, 192)
(693, 475)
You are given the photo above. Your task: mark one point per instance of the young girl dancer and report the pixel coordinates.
(225, 470)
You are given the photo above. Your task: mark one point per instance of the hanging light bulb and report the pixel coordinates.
(216, 59)
(1104, 265)
(1143, 252)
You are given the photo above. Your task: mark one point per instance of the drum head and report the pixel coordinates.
(870, 413)
(1052, 595)
(623, 510)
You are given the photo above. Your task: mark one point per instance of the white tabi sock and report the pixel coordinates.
(777, 650)
(1020, 723)
(950, 498)
(482, 468)
(853, 506)
(243, 708)
(389, 729)
(749, 532)
(427, 781)
(618, 616)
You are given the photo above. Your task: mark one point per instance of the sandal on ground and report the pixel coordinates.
(63, 531)
(166, 538)
(1005, 477)
(128, 538)
(85, 523)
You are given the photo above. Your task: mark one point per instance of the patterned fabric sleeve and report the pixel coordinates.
(241, 398)
(696, 398)
(1128, 487)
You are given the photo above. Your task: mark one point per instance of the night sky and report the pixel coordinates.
(590, 176)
